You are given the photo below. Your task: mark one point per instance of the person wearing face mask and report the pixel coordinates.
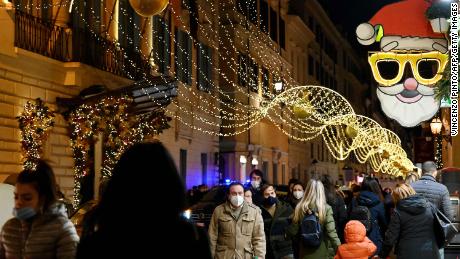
(276, 215)
(257, 181)
(237, 228)
(296, 194)
(40, 227)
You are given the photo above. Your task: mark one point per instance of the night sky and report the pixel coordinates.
(348, 14)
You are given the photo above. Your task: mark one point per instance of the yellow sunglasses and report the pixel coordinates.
(388, 67)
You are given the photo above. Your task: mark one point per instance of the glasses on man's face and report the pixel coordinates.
(388, 67)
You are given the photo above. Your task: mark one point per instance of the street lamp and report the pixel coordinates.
(279, 86)
(436, 126)
(254, 161)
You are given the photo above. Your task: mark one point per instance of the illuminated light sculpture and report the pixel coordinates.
(406, 39)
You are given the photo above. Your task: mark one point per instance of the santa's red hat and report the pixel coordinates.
(400, 22)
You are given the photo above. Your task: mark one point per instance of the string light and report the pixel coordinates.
(109, 116)
(35, 123)
(329, 113)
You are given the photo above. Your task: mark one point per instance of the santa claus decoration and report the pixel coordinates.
(411, 60)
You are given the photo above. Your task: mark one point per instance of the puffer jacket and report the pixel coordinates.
(358, 246)
(241, 238)
(50, 235)
(434, 192)
(379, 221)
(411, 230)
(278, 245)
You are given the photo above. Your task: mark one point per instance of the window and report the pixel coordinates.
(317, 77)
(282, 34)
(242, 70)
(183, 57)
(264, 16)
(311, 65)
(161, 44)
(283, 173)
(126, 30)
(204, 168)
(265, 169)
(273, 25)
(253, 76)
(265, 83)
(248, 72)
(275, 173)
(249, 9)
(183, 164)
(312, 151)
(204, 70)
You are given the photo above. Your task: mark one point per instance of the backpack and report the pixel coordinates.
(363, 215)
(311, 231)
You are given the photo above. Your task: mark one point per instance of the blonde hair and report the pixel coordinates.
(314, 198)
(402, 191)
(412, 177)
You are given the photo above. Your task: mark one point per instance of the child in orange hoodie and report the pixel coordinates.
(358, 246)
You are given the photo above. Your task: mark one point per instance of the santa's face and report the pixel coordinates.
(409, 102)
(406, 83)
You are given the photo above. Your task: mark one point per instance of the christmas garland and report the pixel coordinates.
(35, 123)
(120, 130)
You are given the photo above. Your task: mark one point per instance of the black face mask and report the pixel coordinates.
(268, 202)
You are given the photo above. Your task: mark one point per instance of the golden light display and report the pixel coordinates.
(147, 8)
(303, 112)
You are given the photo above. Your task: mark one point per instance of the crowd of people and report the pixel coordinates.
(140, 214)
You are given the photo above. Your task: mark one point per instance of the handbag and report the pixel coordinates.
(444, 230)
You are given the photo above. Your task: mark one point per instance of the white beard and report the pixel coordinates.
(408, 114)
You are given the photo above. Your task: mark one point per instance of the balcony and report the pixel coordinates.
(78, 45)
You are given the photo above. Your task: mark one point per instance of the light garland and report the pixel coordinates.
(329, 113)
(109, 116)
(438, 151)
(297, 125)
(35, 123)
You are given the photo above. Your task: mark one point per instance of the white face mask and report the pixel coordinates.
(236, 200)
(298, 194)
(255, 184)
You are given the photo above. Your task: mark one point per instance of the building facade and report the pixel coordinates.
(48, 53)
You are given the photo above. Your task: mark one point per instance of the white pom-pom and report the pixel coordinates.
(365, 34)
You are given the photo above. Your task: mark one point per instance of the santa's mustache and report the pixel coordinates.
(398, 88)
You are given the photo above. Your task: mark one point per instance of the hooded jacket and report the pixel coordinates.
(411, 230)
(379, 221)
(358, 246)
(48, 235)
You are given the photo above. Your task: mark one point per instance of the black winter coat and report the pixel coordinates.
(278, 245)
(340, 214)
(379, 221)
(411, 230)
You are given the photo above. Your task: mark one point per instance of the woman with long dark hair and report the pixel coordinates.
(144, 197)
(338, 206)
(371, 197)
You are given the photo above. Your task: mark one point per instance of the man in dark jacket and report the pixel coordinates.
(433, 191)
(276, 215)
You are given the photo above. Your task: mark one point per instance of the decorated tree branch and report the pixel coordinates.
(35, 123)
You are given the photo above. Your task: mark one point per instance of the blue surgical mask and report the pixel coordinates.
(24, 213)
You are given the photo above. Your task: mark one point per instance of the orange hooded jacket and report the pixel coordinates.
(358, 246)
